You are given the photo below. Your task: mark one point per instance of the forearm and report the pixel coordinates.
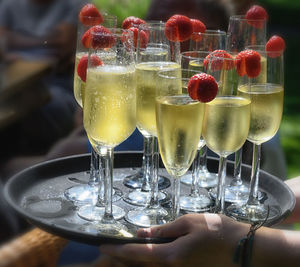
(273, 247)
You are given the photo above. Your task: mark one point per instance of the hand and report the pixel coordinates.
(202, 240)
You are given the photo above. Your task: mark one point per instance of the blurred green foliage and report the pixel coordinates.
(124, 8)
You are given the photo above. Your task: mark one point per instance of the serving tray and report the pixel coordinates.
(36, 193)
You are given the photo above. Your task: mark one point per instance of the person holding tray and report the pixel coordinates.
(199, 237)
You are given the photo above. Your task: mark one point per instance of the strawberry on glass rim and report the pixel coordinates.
(202, 87)
(132, 21)
(275, 46)
(218, 60)
(83, 63)
(178, 28)
(256, 16)
(101, 38)
(248, 63)
(89, 15)
(198, 28)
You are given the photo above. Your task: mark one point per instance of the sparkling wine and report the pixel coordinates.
(266, 110)
(110, 105)
(179, 125)
(226, 124)
(146, 77)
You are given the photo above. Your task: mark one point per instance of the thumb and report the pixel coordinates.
(174, 229)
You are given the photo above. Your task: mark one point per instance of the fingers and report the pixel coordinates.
(178, 228)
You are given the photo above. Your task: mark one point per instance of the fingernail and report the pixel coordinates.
(144, 232)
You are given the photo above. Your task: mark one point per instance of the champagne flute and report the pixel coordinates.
(226, 119)
(266, 93)
(141, 194)
(110, 114)
(193, 60)
(179, 125)
(158, 54)
(241, 33)
(87, 193)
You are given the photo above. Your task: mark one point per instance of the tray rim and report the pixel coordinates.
(100, 239)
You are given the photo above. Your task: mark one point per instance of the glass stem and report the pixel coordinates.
(253, 196)
(108, 185)
(94, 169)
(195, 175)
(237, 180)
(154, 203)
(147, 162)
(220, 200)
(101, 196)
(176, 198)
(203, 158)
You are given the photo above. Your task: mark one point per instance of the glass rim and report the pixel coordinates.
(261, 49)
(211, 33)
(243, 18)
(172, 76)
(185, 54)
(153, 24)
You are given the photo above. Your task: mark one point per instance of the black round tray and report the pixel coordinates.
(37, 194)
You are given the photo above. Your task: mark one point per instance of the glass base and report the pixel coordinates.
(82, 194)
(237, 194)
(135, 181)
(147, 217)
(141, 198)
(207, 179)
(198, 203)
(253, 213)
(95, 213)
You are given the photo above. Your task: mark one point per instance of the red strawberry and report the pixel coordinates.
(132, 22)
(202, 87)
(101, 37)
(178, 28)
(256, 13)
(198, 27)
(275, 46)
(90, 16)
(218, 62)
(86, 39)
(248, 62)
(83, 62)
(143, 37)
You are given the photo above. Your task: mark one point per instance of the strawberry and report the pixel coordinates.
(143, 37)
(275, 46)
(90, 16)
(101, 37)
(256, 16)
(178, 28)
(202, 87)
(198, 27)
(83, 62)
(86, 39)
(248, 62)
(218, 63)
(132, 22)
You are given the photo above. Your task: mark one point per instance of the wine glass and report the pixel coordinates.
(159, 53)
(241, 33)
(87, 193)
(179, 125)
(266, 93)
(226, 119)
(140, 181)
(110, 108)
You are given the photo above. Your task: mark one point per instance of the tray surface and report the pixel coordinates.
(37, 194)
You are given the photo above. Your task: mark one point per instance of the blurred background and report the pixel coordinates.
(39, 118)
